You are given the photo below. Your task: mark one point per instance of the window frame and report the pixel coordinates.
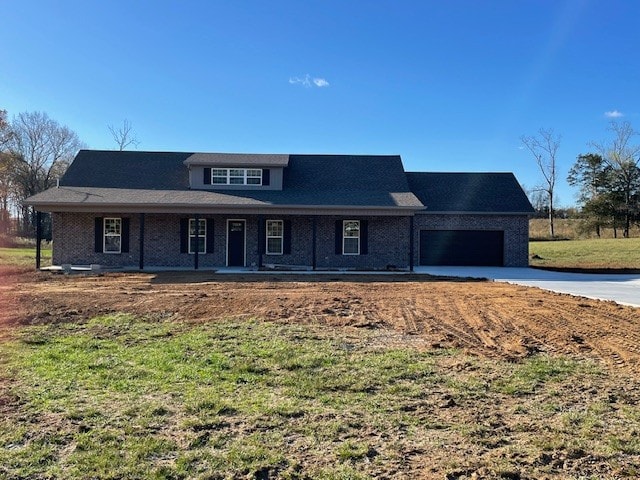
(281, 237)
(345, 236)
(106, 234)
(220, 175)
(253, 174)
(203, 222)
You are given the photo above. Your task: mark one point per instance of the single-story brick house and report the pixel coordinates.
(208, 210)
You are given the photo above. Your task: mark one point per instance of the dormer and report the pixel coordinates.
(236, 171)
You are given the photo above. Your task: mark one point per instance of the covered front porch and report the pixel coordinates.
(252, 242)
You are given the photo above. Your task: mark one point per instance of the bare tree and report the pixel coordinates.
(6, 173)
(7, 190)
(622, 157)
(5, 130)
(123, 136)
(42, 149)
(544, 148)
(537, 199)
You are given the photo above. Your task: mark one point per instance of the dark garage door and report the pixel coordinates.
(462, 247)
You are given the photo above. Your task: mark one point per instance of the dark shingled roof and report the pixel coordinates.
(309, 180)
(114, 169)
(469, 192)
(99, 177)
(347, 180)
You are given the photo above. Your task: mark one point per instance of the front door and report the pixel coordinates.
(235, 243)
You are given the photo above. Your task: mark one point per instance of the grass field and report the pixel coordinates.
(575, 249)
(119, 397)
(618, 253)
(24, 257)
(570, 229)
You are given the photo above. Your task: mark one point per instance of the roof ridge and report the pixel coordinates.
(462, 173)
(101, 150)
(116, 152)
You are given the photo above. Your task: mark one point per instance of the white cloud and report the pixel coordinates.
(613, 114)
(302, 81)
(309, 81)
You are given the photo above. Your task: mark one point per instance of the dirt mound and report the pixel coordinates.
(486, 318)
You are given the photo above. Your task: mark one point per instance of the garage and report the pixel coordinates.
(462, 247)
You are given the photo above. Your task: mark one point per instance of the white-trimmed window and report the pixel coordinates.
(220, 176)
(112, 235)
(202, 235)
(236, 176)
(351, 237)
(275, 237)
(253, 176)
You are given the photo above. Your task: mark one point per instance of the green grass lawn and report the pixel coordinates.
(119, 397)
(25, 257)
(588, 253)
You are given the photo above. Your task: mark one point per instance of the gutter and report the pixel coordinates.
(455, 212)
(223, 209)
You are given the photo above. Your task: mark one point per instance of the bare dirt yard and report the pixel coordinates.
(484, 318)
(507, 389)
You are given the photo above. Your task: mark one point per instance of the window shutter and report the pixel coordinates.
(266, 176)
(207, 176)
(209, 247)
(364, 237)
(99, 235)
(286, 240)
(338, 237)
(124, 245)
(184, 235)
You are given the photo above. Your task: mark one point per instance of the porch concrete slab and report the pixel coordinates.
(234, 270)
(224, 270)
(623, 289)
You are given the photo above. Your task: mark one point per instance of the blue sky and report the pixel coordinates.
(449, 85)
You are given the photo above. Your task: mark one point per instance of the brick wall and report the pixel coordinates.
(73, 241)
(388, 244)
(73, 235)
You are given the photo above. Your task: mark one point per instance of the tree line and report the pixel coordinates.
(35, 151)
(608, 178)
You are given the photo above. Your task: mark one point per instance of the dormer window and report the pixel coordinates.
(236, 176)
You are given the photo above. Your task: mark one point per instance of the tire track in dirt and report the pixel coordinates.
(458, 333)
(568, 322)
(617, 338)
(485, 318)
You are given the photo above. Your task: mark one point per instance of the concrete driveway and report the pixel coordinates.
(623, 289)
